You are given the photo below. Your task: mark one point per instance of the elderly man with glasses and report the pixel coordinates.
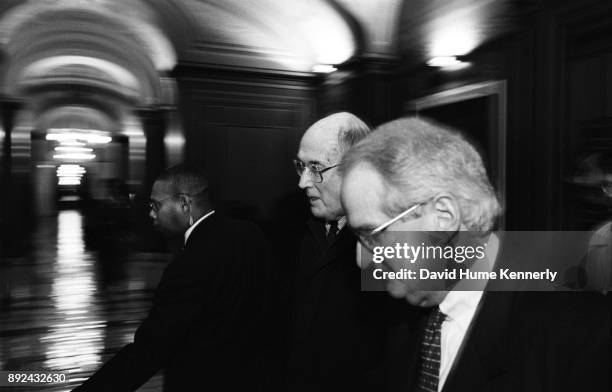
(413, 176)
(330, 347)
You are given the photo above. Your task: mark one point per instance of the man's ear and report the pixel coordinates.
(447, 212)
(185, 203)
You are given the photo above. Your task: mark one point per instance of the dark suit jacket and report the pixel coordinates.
(203, 320)
(337, 333)
(518, 341)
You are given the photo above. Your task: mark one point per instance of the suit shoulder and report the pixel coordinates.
(241, 227)
(573, 310)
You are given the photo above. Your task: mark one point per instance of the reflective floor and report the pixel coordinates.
(65, 307)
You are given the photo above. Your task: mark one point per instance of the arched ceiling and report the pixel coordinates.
(126, 43)
(378, 21)
(68, 40)
(291, 35)
(75, 117)
(123, 48)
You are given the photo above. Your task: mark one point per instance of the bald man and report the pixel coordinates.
(330, 345)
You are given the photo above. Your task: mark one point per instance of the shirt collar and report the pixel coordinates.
(192, 227)
(460, 306)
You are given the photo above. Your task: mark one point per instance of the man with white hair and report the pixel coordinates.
(412, 175)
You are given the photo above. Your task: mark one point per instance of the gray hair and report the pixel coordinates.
(351, 130)
(419, 159)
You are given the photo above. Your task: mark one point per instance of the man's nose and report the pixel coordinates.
(305, 180)
(152, 214)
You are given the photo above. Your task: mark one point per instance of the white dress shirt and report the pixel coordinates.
(460, 308)
(192, 227)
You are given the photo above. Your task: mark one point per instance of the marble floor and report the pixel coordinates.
(65, 307)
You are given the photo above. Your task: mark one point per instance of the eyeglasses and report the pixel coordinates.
(607, 188)
(155, 205)
(315, 173)
(369, 240)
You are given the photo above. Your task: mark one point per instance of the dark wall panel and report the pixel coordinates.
(244, 130)
(558, 81)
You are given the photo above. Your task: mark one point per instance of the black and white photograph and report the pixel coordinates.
(305, 195)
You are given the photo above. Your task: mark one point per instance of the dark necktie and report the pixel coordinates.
(430, 353)
(332, 233)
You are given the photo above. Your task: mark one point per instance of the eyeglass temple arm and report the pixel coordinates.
(392, 221)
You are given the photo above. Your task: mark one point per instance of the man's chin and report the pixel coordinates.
(398, 289)
(317, 213)
(424, 299)
(323, 214)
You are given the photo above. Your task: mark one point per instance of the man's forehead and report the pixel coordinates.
(160, 189)
(319, 143)
(317, 154)
(363, 197)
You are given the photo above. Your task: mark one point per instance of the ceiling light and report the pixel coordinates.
(98, 139)
(69, 181)
(71, 168)
(73, 149)
(82, 135)
(75, 156)
(323, 68)
(70, 171)
(72, 143)
(444, 61)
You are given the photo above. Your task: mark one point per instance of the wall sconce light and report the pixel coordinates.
(323, 68)
(445, 61)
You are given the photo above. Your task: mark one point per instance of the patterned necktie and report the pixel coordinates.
(430, 353)
(332, 233)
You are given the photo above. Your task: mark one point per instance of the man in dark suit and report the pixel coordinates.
(203, 325)
(411, 176)
(330, 344)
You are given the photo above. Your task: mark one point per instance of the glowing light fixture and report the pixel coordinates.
(71, 178)
(71, 136)
(98, 139)
(73, 149)
(75, 156)
(70, 170)
(444, 61)
(69, 181)
(323, 68)
(72, 143)
(70, 174)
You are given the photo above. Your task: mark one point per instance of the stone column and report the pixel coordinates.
(9, 184)
(154, 124)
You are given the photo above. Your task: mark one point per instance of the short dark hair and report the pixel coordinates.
(188, 180)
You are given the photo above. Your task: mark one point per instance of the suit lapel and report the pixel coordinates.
(202, 231)
(315, 286)
(327, 253)
(484, 350)
(404, 342)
